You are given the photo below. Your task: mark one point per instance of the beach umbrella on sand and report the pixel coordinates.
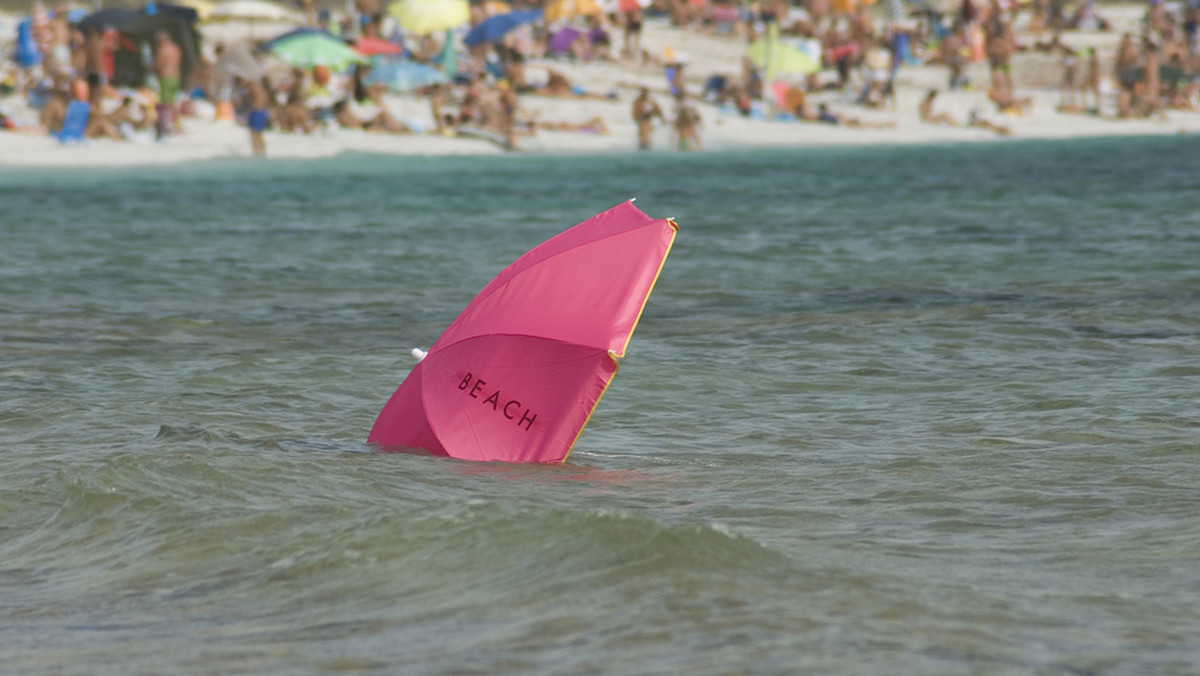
(405, 76)
(316, 49)
(569, 9)
(237, 60)
(517, 375)
(560, 41)
(494, 28)
(779, 58)
(252, 10)
(302, 30)
(376, 47)
(430, 16)
(615, 6)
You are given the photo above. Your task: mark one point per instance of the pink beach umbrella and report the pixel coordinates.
(517, 375)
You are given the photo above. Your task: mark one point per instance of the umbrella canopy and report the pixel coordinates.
(405, 76)
(309, 50)
(130, 67)
(237, 60)
(778, 58)
(493, 28)
(376, 47)
(560, 42)
(614, 6)
(430, 16)
(568, 9)
(302, 30)
(251, 10)
(517, 375)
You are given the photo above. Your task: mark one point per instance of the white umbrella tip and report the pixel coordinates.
(418, 354)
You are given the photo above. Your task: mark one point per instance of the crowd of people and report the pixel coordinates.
(859, 47)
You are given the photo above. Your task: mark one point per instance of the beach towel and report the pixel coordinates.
(74, 123)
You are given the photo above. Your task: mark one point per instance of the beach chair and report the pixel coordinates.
(74, 123)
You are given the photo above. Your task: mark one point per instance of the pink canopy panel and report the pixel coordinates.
(517, 375)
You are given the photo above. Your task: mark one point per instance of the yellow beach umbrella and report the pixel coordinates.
(430, 16)
(778, 58)
(569, 9)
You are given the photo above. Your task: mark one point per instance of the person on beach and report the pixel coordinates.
(167, 60)
(1006, 102)
(1091, 81)
(687, 128)
(1125, 73)
(1068, 89)
(1000, 44)
(975, 119)
(1149, 98)
(633, 33)
(827, 116)
(559, 86)
(593, 125)
(507, 117)
(954, 54)
(645, 110)
(380, 122)
(925, 111)
(258, 118)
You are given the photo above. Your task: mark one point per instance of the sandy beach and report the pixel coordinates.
(1036, 75)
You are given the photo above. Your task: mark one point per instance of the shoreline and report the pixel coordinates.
(209, 140)
(721, 127)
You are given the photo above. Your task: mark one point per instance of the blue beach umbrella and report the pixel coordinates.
(404, 76)
(496, 27)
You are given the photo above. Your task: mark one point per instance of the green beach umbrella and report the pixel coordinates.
(309, 50)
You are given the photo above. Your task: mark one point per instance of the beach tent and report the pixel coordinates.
(112, 17)
(135, 59)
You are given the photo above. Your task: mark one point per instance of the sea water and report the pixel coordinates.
(893, 410)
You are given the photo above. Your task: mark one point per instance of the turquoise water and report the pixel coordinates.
(904, 410)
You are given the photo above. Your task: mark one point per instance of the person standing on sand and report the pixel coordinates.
(644, 112)
(167, 59)
(1000, 43)
(686, 128)
(259, 118)
(1091, 81)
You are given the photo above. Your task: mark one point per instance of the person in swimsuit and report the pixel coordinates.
(633, 33)
(258, 119)
(644, 112)
(687, 128)
(167, 60)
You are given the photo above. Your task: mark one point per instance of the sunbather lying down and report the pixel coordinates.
(593, 125)
(381, 122)
(557, 85)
